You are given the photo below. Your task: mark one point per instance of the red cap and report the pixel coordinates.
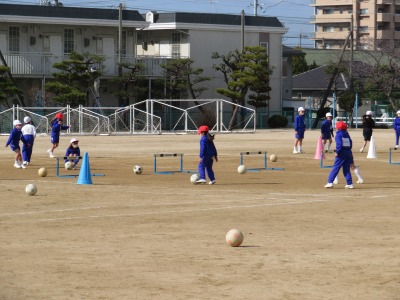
(341, 125)
(203, 128)
(59, 116)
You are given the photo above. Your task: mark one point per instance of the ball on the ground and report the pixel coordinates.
(137, 170)
(234, 237)
(242, 169)
(69, 165)
(42, 172)
(273, 157)
(194, 178)
(31, 189)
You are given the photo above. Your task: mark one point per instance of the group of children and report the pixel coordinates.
(27, 134)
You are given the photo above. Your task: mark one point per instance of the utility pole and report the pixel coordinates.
(242, 30)
(255, 7)
(120, 51)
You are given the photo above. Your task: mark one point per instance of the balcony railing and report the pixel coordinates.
(39, 64)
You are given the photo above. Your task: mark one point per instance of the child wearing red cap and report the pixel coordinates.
(56, 127)
(208, 153)
(343, 156)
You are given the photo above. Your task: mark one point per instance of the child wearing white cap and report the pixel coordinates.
(13, 142)
(299, 128)
(368, 124)
(396, 128)
(73, 150)
(327, 131)
(29, 134)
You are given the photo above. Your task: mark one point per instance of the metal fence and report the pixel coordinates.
(146, 117)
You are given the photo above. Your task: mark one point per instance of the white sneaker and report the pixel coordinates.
(25, 163)
(201, 181)
(360, 181)
(295, 152)
(49, 151)
(329, 185)
(17, 165)
(349, 186)
(23, 166)
(212, 182)
(51, 155)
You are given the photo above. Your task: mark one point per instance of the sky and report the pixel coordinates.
(294, 14)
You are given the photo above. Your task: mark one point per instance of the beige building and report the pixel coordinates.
(372, 21)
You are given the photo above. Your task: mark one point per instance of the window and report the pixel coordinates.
(329, 29)
(363, 28)
(68, 40)
(328, 11)
(364, 11)
(299, 95)
(264, 45)
(176, 45)
(13, 39)
(123, 49)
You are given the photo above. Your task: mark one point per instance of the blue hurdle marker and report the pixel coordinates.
(321, 162)
(181, 170)
(390, 157)
(69, 175)
(265, 161)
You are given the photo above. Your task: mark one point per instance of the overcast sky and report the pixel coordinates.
(294, 14)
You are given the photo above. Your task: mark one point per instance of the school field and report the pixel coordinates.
(151, 236)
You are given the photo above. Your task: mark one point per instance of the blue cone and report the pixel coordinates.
(85, 177)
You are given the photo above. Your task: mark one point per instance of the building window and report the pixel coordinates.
(13, 39)
(264, 45)
(299, 95)
(364, 11)
(123, 49)
(176, 45)
(329, 29)
(68, 41)
(328, 11)
(364, 28)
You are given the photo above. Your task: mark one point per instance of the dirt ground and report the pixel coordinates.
(154, 236)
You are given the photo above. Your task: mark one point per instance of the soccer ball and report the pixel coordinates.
(242, 169)
(234, 237)
(42, 172)
(69, 165)
(273, 157)
(31, 189)
(194, 178)
(137, 170)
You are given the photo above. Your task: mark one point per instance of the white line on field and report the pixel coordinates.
(179, 211)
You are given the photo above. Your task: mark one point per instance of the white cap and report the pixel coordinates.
(328, 114)
(398, 112)
(73, 140)
(27, 119)
(17, 122)
(300, 109)
(369, 113)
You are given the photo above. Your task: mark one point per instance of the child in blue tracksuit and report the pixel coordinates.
(13, 141)
(56, 127)
(73, 150)
(343, 156)
(327, 131)
(29, 134)
(299, 128)
(208, 153)
(396, 127)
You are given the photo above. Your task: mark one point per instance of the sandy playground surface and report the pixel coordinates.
(151, 236)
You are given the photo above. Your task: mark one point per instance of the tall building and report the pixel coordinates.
(373, 21)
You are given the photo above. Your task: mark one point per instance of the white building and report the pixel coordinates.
(34, 37)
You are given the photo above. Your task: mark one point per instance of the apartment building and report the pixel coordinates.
(372, 22)
(33, 38)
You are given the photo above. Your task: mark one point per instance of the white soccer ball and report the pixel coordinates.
(31, 189)
(273, 157)
(242, 169)
(194, 178)
(69, 165)
(137, 170)
(42, 172)
(234, 237)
